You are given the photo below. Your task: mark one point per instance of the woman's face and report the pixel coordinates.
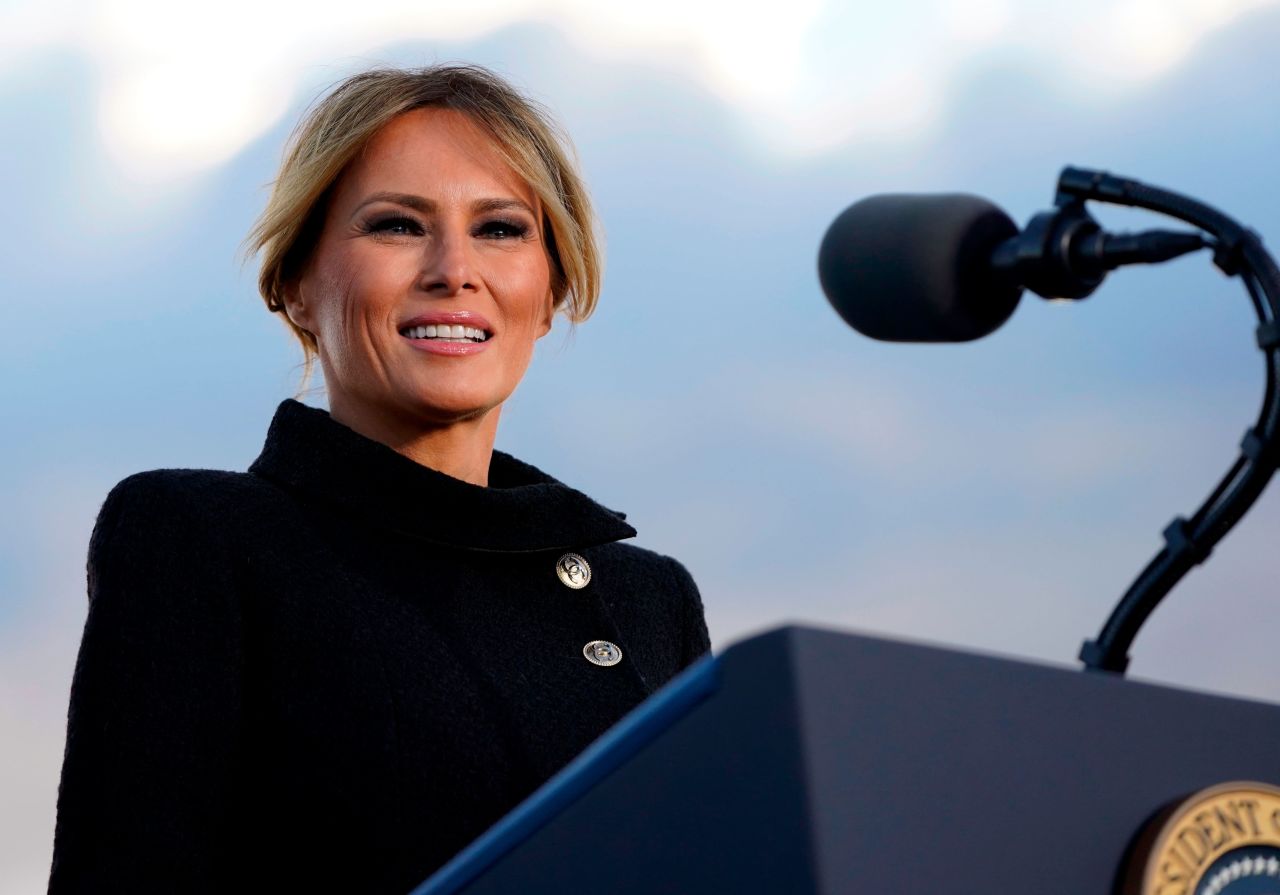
(430, 281)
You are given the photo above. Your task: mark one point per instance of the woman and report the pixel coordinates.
(333, 671)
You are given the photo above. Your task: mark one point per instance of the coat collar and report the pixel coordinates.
(523, 509)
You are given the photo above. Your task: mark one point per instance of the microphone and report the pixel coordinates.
(916, 268)
(951, 267)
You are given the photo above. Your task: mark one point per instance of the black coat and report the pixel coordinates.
(332, 672)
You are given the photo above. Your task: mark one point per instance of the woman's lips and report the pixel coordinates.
(450, 333)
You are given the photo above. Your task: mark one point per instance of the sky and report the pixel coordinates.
(995, 496)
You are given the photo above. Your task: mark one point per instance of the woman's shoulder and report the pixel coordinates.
(647, 581)
(208, 491)
(166, 504)
(640, 565)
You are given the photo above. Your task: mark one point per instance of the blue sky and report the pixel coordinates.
(997, 496)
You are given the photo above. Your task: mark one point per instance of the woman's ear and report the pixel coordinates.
(295, 305)
(548, 314)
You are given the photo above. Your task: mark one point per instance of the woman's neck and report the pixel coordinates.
(461, 449)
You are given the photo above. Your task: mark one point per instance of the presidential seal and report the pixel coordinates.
(1224, 840)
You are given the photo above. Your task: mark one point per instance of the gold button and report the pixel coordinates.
(573, 571)
(602, 652)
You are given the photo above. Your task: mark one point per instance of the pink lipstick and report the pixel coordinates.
(451, 333)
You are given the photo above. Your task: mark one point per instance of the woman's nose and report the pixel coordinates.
(448, 267)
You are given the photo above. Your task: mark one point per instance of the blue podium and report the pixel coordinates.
(809, 761)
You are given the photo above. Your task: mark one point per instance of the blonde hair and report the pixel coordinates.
(340, 125)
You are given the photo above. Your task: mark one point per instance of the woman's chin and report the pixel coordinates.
(443, 410)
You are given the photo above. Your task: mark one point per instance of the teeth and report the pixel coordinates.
(446, 332)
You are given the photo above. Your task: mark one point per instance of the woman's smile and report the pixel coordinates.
(451, 333)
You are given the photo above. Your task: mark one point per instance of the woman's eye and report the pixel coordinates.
(502, 230)
(396, 225)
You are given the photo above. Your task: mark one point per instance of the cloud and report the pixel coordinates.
(181, 91)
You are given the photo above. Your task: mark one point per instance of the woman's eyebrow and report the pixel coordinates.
(483, 205)
(426, 206)
(408, 200)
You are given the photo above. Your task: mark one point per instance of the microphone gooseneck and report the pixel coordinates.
(1237, 251)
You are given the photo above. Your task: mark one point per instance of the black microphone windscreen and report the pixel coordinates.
(917, 267)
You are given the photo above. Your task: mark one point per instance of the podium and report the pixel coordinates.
(809, 761)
